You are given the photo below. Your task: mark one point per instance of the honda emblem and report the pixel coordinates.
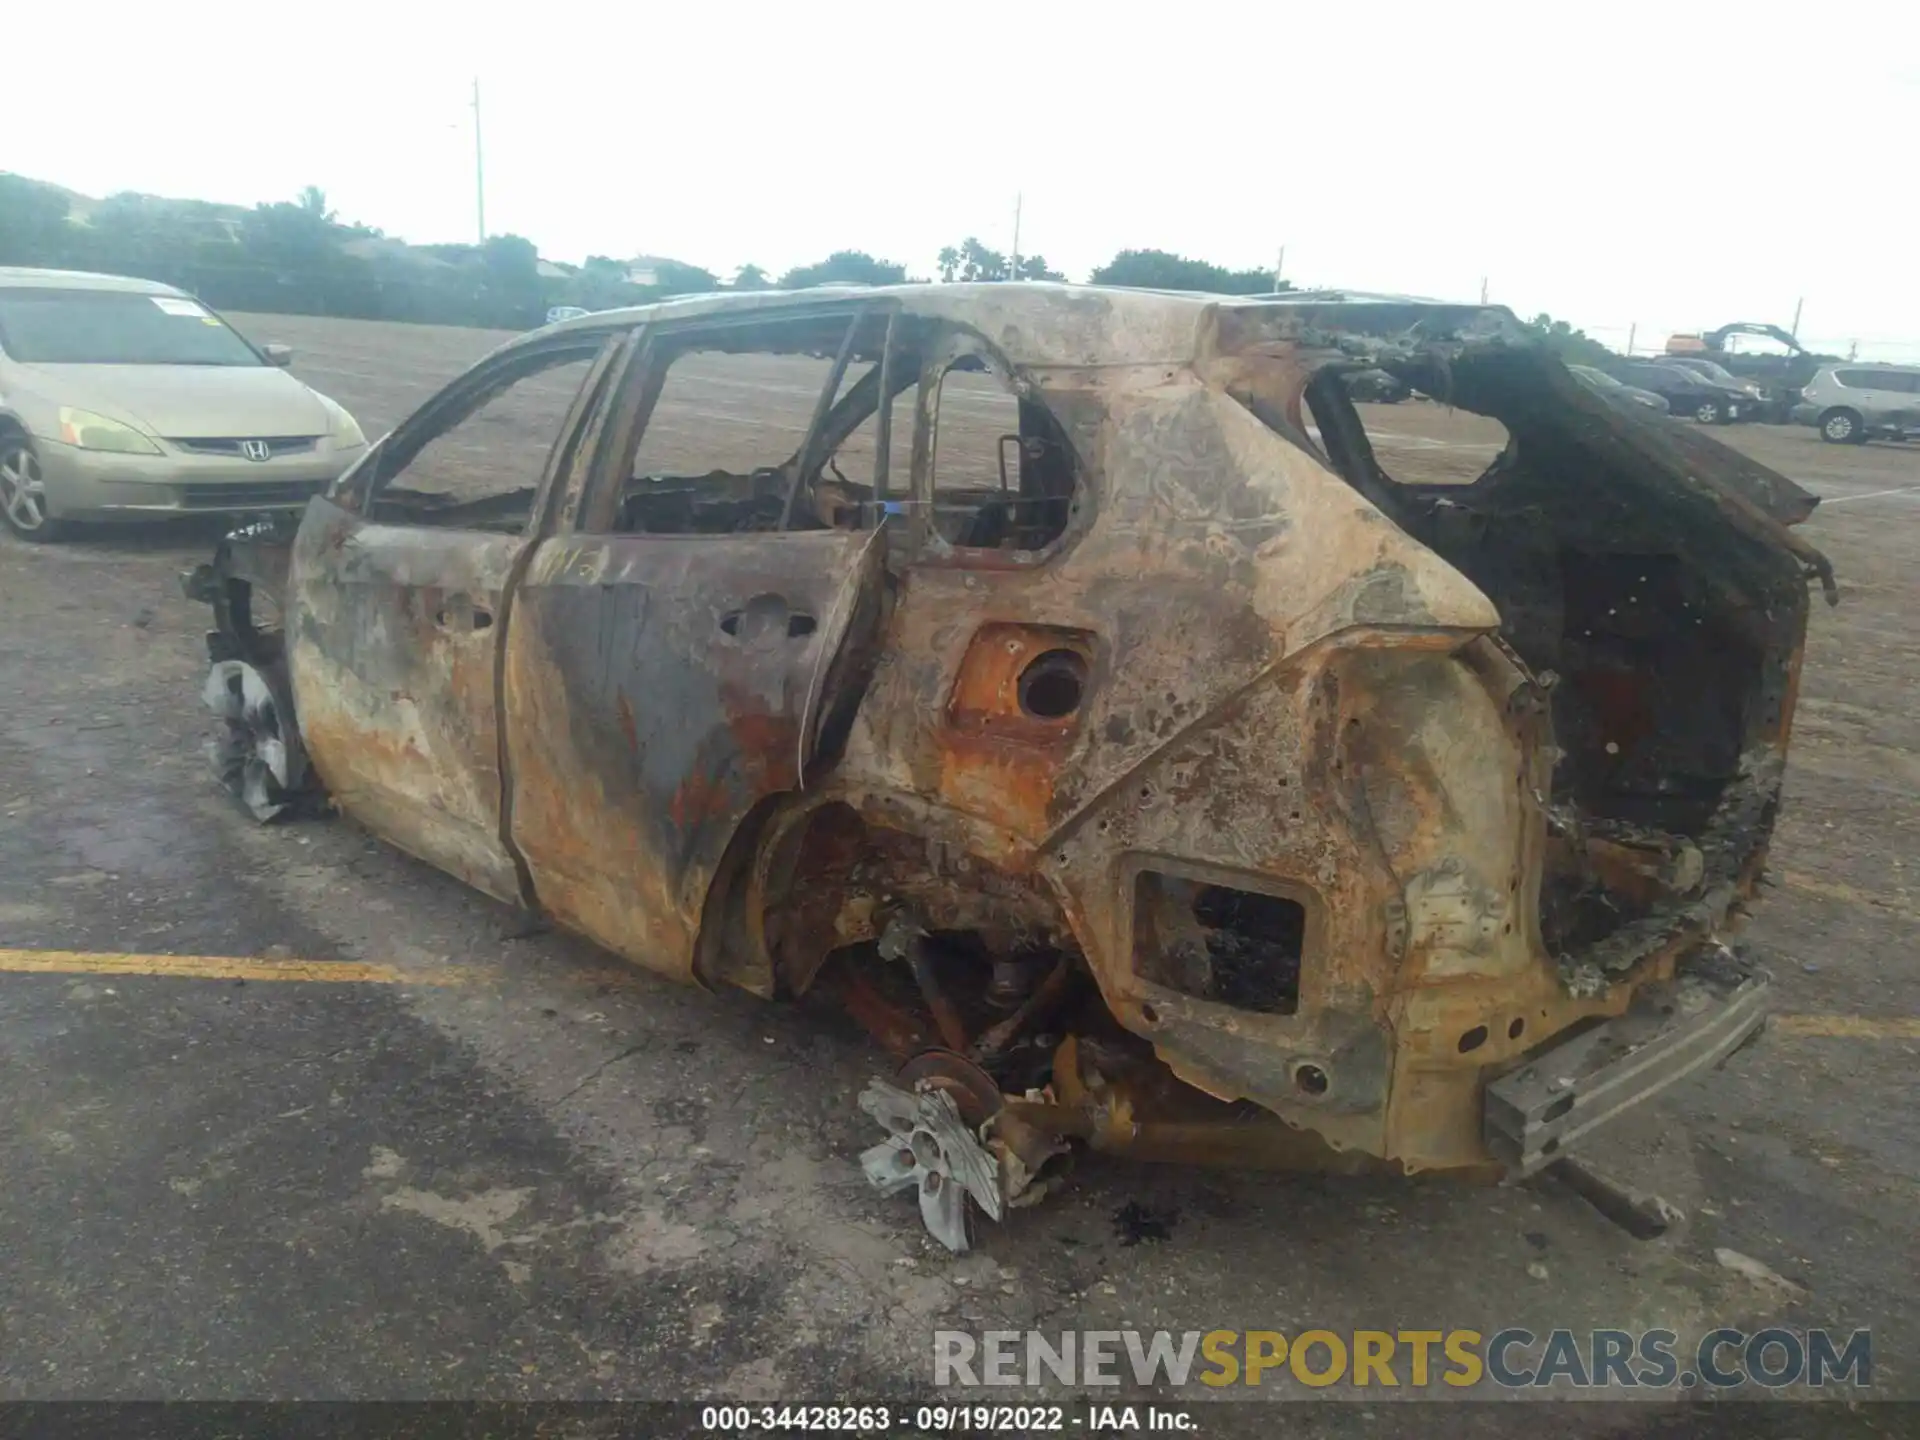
(256, 449)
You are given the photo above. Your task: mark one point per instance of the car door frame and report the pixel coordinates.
(396, 629)
(644, 737)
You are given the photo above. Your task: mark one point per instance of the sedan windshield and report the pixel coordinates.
(1596, 377)
(1673, 375)
(1714, 372)
(115, 327)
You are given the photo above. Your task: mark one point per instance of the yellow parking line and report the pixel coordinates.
(219, 967)
(1847, 894)
(353, 972)
(1847, 1027)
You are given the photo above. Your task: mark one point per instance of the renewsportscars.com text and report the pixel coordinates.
(1511, 1358)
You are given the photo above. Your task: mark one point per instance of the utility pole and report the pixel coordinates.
(1795, 331)
(1483, 289)
(1016, 237)
(1632, 331)
(1279, 265)
(479, 168)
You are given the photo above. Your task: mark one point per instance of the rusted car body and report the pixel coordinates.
(1190, 787)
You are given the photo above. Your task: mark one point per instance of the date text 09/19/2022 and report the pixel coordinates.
(942, 1419)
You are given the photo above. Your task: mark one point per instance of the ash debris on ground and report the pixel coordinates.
(1134, 1222)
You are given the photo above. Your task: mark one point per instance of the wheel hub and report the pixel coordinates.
(21, 491)
(974, 1092)
(256, 755)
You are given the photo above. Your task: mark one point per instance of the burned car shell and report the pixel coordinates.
(1362, 792)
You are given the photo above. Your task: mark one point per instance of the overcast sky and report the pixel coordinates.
(1676, 166)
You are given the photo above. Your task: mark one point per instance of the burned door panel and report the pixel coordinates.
(392, 649)
(657, 689)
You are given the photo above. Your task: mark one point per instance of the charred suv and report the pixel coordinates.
(1147, 770)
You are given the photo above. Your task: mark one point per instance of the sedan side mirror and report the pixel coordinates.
(281, 355)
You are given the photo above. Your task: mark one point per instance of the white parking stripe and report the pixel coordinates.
(1869, 495)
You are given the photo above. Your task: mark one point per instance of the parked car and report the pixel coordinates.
(1615, 390)
(1124, 716)
(1765, 354)
(565, 312)
(1686, 392)
(1759, 398)
(1850, 404)
(127, 399)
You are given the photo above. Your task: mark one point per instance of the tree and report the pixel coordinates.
(34, 229)
(511, 266)
(978, 263)
(845, 267)
(1163, 270)
(511, 261)
(1575, 347)
(751, 277)
(972, 262)
(290, 236)
(672, 277)
(313, 200)
(288, 256)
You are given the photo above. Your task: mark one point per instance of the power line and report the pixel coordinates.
(479, 168)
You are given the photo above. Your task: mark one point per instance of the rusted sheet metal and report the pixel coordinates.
(1128, 1105)
(894, 1028)
(657, 689)
(392, 649)
(1244, 574)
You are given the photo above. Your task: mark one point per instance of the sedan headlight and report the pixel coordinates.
(345, 430)
(85, 430)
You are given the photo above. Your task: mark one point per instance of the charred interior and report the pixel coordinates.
(1233, 947)
(856, 465)
(1663, 620)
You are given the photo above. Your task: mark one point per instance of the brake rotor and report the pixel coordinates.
(972, 1089)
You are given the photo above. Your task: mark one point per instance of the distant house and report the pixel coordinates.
(646, 269)
(555, 270)
(207, 221)
(381, 248)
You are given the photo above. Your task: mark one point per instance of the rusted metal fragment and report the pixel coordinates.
(1032, 1159)
(915, 950)
(1643, 1215)
(1127, 1104)
(1733, 853)
(894, 1028)
(1036, 1009)
(1642, 870)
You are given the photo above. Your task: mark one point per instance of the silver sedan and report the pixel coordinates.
(123, 398)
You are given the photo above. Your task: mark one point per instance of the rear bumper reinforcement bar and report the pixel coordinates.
(1712, 1006)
